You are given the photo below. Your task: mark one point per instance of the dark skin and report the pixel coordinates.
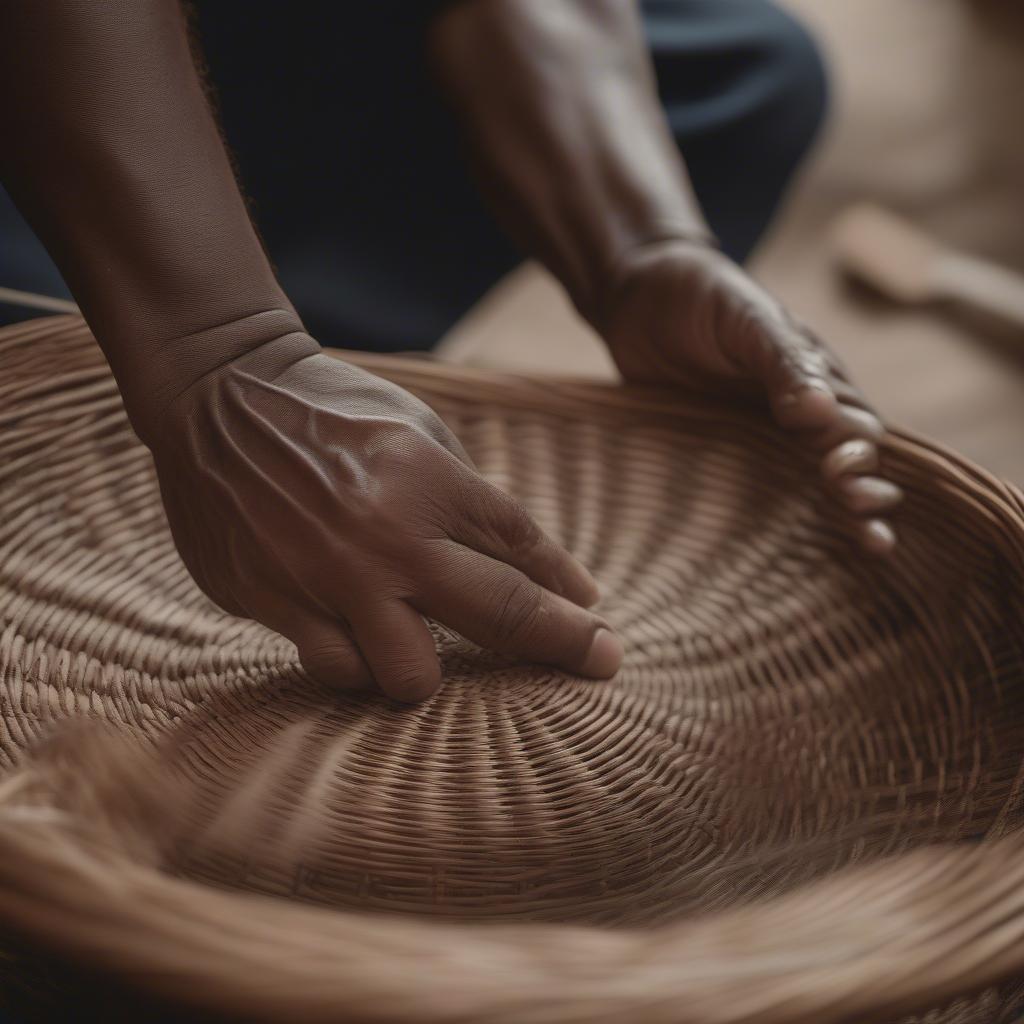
(318, 499)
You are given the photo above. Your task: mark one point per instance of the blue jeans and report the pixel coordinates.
(355, 175)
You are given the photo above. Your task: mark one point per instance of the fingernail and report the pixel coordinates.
(869, 493)
(811, 384)
(604, 657)
(855, 456)
(879, 537)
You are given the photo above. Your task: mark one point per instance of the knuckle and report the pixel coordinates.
(760, 344)
(502, 518)
(865, 424)
(403, 451)
(520, 530)
(812, 362)
(329, 655)
(409, 679)
(795, 353)
(518, 611)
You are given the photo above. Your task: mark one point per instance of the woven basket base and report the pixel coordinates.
(787, 710)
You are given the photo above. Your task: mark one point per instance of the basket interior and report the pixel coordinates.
(787, 708)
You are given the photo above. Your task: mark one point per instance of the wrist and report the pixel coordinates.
(650, 275)
(162, 395)
(642, 259)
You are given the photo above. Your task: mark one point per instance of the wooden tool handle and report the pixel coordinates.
(984, 286)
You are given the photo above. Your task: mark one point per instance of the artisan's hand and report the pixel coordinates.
(317, 499)
(680, 311)
(339, 510)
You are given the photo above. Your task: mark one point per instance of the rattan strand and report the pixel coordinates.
(799, 801)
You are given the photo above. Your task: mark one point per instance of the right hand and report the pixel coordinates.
(337, 509)
(681, 312)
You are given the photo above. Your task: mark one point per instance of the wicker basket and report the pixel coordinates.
(799, 801)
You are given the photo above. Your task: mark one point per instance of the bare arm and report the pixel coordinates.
(560, 111)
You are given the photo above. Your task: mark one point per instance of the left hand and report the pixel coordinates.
(680, 311)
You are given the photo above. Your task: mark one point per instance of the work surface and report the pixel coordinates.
(923, 122)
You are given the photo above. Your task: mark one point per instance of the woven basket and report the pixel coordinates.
(799, 801)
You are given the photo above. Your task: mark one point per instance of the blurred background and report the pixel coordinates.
(926, 122)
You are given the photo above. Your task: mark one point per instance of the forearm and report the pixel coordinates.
(118, 164)
(559, 106)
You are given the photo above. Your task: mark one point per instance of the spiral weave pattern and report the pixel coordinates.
(799, 800)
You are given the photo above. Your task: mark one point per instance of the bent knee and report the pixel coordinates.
(745, 90)
(794, 79)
